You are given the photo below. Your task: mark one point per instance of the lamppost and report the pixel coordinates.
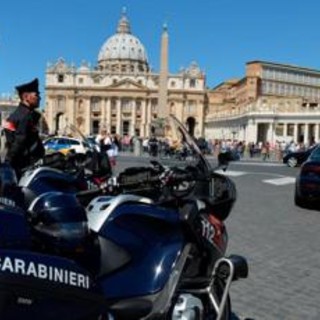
(234, 132)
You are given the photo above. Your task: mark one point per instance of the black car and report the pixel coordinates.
(307, 188)
(294, 159)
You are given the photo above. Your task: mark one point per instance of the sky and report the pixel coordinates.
(220, 35)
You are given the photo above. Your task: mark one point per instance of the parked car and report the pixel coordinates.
(294, 159)
(65, 143)
(307, 188)
(93, 142)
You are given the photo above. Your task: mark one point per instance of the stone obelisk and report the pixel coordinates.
(163, 76)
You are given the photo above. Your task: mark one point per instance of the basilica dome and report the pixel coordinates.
(123, 51)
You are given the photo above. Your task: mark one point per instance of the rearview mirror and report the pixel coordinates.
(223, 160)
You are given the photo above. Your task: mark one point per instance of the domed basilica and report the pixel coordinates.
(121, 93)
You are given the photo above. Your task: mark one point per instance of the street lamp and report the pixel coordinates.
(234, 132)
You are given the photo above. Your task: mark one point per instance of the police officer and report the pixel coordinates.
(24, 145)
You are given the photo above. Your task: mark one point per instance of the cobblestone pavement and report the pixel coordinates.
(281, 243)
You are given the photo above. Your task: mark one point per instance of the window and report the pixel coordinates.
(126, 105)
(290, 129)
(95, 126)
(60, 78)
(125, 127)
(192, 83)
(138, 106)
(80, 80)
(95, 104)
(74, 142)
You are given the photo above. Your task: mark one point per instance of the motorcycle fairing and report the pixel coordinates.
(152, 236)
(100, 208)
(155, 304)
(38, 286)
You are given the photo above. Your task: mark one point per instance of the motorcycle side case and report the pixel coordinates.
(37, 286)
(45, 179)
(14, 228)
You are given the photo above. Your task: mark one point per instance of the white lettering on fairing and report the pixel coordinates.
(42, 271)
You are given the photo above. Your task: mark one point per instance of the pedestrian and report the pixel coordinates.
(23, 143)
(265, 151)
(100, 139)
(153, 146)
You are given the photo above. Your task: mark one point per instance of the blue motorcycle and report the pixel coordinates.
(152, 247)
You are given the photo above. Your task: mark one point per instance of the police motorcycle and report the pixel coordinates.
(154, 247)
(67, 172)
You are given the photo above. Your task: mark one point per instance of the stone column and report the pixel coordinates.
(271, 133)
(285, 130)
(87, 108)
(108, 114)
(316, 132)
(133, 117)
(51, 122)
(295, 132)
(149, 117)
(143, 118)
(251, 132)
(200, 107)
(103, 118)
(306, 134)
(119, 117)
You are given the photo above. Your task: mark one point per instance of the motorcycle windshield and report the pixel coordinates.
(176, 146)
(89, 142)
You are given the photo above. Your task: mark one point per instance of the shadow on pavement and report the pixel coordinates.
(235, 317)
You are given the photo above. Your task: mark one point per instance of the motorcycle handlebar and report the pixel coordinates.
(90, 192)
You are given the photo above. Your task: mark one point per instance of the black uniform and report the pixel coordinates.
(24, 145)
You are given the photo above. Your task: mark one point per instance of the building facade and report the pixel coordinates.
(7, 105)
(273, 102)
(121, 93)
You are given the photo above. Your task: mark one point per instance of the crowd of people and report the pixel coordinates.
(154, 146)
(24, 145)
